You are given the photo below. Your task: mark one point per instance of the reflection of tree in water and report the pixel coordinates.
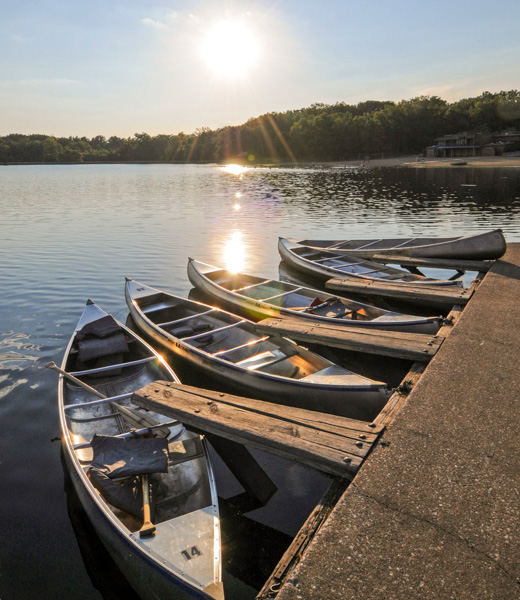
(365, 193)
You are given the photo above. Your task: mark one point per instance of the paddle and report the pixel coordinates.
(135, 418)
(148, 528)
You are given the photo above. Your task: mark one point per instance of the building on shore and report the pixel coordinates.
(469, 143)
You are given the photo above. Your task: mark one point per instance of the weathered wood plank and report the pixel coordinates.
(308, 440)
(408, 346)
(480, 266)
(440, 297)
(350, 428)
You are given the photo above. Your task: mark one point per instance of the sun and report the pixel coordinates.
(230, 49)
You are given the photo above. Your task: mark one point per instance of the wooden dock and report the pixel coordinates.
(425, 295)
(407, 346)
(335, 445)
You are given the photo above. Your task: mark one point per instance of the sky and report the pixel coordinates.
(120, 67)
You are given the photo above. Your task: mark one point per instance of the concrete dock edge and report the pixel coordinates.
(434, 513)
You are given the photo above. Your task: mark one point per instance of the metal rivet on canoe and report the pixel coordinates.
(359, 444)
(363, 436)
(347, 459)
(210, 402)
(156, 391)
(221, 395)
(372, 425)
(168, 384)
(146, 395)
(197, 410)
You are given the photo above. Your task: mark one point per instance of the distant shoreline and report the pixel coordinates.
(402, 161)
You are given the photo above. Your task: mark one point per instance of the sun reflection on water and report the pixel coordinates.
(235, 169)
(234, 252)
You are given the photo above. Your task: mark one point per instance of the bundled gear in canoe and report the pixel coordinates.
(116, 458)
(99, 339)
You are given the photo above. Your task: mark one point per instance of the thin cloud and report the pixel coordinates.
(154, 23)
(166, 23)
(443, 91)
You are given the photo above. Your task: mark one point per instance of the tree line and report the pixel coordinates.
(321, 132)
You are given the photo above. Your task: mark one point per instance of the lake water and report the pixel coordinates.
(69, 233)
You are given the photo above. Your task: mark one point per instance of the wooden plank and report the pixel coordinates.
(301, 435)
(408, 346)
(440, 297)
(480, 266)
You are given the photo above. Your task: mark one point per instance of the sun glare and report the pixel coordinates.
(230, 49)
(234, 252)
(235, 169)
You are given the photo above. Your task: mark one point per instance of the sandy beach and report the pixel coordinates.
(427, 163)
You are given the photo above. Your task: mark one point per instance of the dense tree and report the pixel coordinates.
(319, 132)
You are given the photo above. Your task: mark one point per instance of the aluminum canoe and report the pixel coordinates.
(488, 245)
(272, 298)
(183, 558)
(231, 351)
(328, 264)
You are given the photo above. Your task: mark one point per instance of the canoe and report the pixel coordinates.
(183, 558)
(481, 246)
(231, 351)
(272, 298)
(326, 264)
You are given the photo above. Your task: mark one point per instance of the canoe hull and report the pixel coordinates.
(489, 245)
(426, 325)
(144, 575)
(150, 569)
(355, 401)
(287, 248)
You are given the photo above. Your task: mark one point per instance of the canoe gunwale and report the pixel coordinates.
(461, 247)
